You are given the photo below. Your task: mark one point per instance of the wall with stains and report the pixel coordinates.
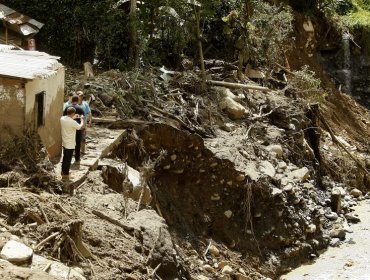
(12, 108)
(50, 132)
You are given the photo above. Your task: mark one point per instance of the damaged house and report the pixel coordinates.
(31, 96)
(18, 29)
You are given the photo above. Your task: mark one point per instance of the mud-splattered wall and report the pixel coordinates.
(19, 109)
(53, 88)
(12, 104)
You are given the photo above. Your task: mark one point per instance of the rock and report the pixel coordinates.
(339, 190)
(234, 110)
(9, 271)
(276, 192)
(16, 252)
(300, 175)
(253, 74)
(336, 200)
(240, 276)
(222, 264)
(208, 268)
(267, 168)
(215, 197)
(356, 193)
(282, 165)
(252, 172)
(240, 178)
(288, 188)
(214, 251)
(311, 228)
(227, 270)
(332, 216)
(57, 269)
(335, 242)
(4, 237)
(352, 218)
(228, 214)
(200, 277)
(338, 232)
(150, 223)
(277, 149)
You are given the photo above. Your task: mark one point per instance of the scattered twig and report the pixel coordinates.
(155, 269)
(47, 267)
(47, 239)
(113, 221)
(35, 217)
(61, 208)
(43, 214)
(206, 252)
(236, 85)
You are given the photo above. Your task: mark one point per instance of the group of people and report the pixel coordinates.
(76, 117)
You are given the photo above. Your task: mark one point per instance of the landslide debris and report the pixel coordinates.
(229, 184)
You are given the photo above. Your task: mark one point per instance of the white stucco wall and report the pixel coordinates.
(53, 87)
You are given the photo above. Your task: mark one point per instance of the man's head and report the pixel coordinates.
(74, 99)
(70, 96)
(71, 111)
(80, 96)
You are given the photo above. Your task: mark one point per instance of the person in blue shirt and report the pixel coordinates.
(88, 117)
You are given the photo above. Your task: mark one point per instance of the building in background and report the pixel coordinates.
(18, 29)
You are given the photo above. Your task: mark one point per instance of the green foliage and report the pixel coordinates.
(307, 85)
(269, 33)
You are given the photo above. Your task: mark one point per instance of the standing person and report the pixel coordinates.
(79, 113)
(68, 102)
(88, 118)
(69, 127)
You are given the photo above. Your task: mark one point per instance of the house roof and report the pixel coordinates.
(27, 64)
(18, 22)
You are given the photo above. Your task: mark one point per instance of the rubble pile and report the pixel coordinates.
(233, 183)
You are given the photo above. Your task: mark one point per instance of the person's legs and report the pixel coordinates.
(83, 141)
(78, 145)
(66, 163)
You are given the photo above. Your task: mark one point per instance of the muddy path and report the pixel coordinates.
(348, 261)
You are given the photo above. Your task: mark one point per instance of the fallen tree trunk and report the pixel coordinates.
(236, 85)
(114, 221)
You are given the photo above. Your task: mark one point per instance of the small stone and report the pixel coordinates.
(208, 268)
(213, 164)
(16, 252)
(300, 175)
(214, 251)
(215, 197)
(338, 233)
(277, 149)
(240, 276)
(222, 264)
(352, 218)
(332, 216)
(228, 214)
(356, 193)
(288, 188)
(282, 165)
(335, 242)
(173, 157)
(267, 168)
(227, 270)
(240, 178)
(311, 228)
(276, 192)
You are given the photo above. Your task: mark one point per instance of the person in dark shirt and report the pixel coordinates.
(79, 112)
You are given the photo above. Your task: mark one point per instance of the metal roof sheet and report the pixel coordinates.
(28, 64)
(19, 22)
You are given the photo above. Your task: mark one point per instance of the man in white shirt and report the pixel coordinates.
(69, 128)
